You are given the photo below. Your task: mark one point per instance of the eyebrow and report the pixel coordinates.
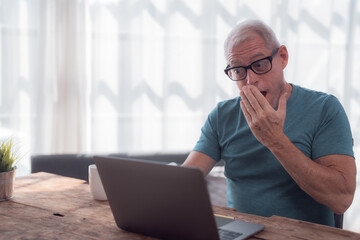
(256, 56)
(252, 59)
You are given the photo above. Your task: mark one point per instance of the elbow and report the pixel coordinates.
(345, 198)
(343, 203)
(340, 208)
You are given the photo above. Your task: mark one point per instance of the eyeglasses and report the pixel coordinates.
(259, 67)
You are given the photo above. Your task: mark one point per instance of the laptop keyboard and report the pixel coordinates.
(228, 235)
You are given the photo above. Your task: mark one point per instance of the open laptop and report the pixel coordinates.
(165, 201)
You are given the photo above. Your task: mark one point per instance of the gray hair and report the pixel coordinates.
(240, 34)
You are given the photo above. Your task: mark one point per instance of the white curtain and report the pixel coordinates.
(86, 76)
(62, 94)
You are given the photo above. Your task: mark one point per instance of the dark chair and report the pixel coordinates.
(76, 165)
(69, 165)
(339, 218)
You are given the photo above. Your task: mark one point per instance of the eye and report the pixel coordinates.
(261, 66)
(237, 71)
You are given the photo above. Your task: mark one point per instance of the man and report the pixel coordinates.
(287, 149)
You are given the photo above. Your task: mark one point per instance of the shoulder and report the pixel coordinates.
(225, 109)
(316, 103)
(313, 97)
(228, 105)
(306, 92)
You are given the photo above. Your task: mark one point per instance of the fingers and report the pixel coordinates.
(264, 121)
(258, 97)
(282, 104)
(251, 103)
(254, 101)
(245, 111)
(246, 106)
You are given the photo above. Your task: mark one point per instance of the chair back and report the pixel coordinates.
(339, 218)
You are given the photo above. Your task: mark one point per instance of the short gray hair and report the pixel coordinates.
(239, 34)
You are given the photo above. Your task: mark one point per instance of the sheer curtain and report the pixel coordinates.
(62, 94)
(86, 76)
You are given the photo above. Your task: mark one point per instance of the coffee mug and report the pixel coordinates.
(96, 187)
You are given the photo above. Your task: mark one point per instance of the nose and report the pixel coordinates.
(251, 77)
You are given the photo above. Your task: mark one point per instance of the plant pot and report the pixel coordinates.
(7, 184)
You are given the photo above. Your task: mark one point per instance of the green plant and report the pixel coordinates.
(8, 155)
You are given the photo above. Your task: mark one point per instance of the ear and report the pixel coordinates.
(284, 56)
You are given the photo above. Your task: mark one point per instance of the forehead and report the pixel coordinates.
(246, 52)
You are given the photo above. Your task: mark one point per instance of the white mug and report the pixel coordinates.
(96, 187)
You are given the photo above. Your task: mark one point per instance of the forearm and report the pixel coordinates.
(200, 160)
(325, 183)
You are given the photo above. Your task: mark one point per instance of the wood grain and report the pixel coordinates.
(47, 206)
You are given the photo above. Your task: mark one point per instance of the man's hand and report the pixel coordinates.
(266, 124)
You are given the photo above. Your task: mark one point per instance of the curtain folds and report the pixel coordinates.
(62, 88)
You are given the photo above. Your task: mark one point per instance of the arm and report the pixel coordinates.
(330, 179)
(200, 160)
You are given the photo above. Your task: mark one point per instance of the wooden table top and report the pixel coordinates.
(48, 206)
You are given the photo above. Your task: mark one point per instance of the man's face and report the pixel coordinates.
(271, 84)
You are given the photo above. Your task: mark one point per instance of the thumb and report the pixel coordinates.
(282, 103)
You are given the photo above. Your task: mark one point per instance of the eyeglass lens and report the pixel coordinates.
(259, 67)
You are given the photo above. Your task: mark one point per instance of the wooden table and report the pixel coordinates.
(48, 206)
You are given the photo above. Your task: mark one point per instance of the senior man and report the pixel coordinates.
(287, 150)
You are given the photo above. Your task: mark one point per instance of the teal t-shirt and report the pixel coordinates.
(316, 123)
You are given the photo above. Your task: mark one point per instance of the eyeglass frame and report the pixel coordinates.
(270, 58)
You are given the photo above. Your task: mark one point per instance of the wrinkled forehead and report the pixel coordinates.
(245, 49)
(239, 38)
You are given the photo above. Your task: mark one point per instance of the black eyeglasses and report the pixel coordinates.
(259, 67)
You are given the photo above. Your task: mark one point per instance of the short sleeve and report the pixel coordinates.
(208, 142)
(333, 135)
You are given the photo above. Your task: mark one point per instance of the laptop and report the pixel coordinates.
(165, 201)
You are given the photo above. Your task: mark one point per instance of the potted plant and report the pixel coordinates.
(8, 160)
